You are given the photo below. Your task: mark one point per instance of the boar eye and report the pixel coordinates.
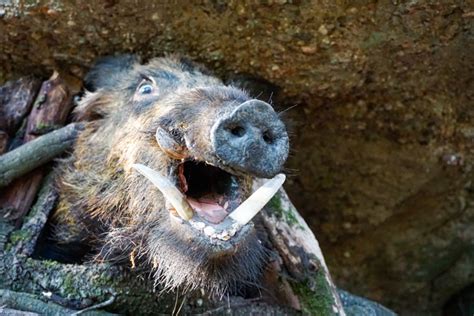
(145, 88)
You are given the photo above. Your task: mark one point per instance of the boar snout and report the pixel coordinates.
(251, 139)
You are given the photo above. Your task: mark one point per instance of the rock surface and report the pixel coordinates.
(383, 140)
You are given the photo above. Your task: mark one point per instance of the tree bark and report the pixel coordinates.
(310, 287)
(16, 99)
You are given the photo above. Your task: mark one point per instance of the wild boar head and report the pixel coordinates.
(170, 126)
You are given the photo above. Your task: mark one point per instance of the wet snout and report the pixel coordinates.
(251, 139)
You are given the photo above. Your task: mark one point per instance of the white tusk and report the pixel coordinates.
(250, 207)
(170, 192)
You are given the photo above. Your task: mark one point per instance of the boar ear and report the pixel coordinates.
(93, 106)
(169, 145)
(108, 72)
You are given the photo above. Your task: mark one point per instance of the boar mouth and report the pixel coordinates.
(211, 192)
(210, 199)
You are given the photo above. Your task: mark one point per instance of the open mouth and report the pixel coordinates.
(211, 192)
(209, 199)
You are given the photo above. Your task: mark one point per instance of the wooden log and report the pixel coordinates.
(13, 312)
(16, 99)
(16, 199)
(303, 276)
(5, 230)
(33, 154)
(37, 217)
(51, 108)
(77, 286)
(17, 140)
(21, 304)
(50, 111)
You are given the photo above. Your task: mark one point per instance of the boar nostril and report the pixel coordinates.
(238, 131)
(251, 138)
(268, 137)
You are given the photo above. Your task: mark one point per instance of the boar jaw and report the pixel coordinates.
(222, 226)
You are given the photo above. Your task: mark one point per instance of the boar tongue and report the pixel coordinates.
(208, 208)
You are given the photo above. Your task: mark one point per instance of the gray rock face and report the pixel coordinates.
(358, 306)
(383, 140)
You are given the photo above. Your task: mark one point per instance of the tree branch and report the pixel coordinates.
(37, 152)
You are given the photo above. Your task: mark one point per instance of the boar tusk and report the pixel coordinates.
(250, 207)
(169, 191)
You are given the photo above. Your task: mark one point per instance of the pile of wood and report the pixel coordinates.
(29, 109)
(32, 116)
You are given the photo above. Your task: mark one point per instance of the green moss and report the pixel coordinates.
(43, 125)
(19, 235)
(285, 214)
(318, 301)
(104, 279)
(68, 286)
(8, 247)
(44, 128)
(40, 100)
(291, 219)
(16, 237)
(275, 205)
(48, 264)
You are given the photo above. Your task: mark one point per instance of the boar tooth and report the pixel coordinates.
(250, 207)
(170, 192)
(198, 225)
(209, 231)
